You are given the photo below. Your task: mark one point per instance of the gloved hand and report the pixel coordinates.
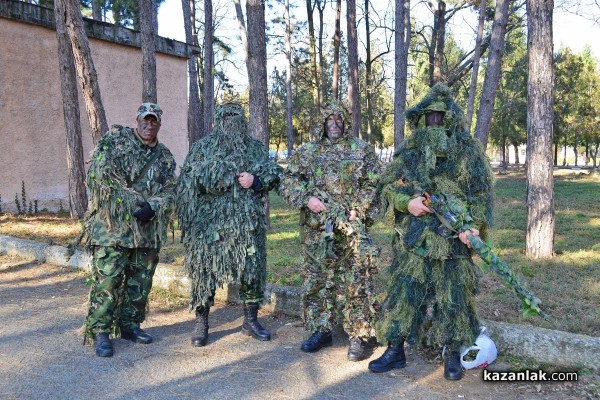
(145, 213)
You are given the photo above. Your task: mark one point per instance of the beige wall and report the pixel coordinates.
(32, 138)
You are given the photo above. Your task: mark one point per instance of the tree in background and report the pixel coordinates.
(86, 72)
(401, 46)
(148, 32)
(567, 99)
(540, 180)
(493, 72)
(257, 71)
(353, 92)
(68, 88)
(195, 117)
(209, 79)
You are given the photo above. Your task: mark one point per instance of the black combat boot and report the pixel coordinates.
(200, 336)
(316, 341)
(452, 368)
(393, 357)
(136, 335)
(251, 326)
(102, 345)
(357, 350)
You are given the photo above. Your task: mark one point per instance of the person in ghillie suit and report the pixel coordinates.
(131, 181)
(333, 182)
(433, 272)
(222, 217)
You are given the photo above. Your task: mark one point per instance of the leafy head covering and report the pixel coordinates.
(440, 99)
(230, 119)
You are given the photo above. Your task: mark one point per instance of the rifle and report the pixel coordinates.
(455, 219)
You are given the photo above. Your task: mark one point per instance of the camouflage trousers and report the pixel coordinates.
(339, 275)
(431, 302)
(122, 279)
(250, 292)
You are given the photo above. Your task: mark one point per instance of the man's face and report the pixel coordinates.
(147, 128)
(434, 118)
(334, 127)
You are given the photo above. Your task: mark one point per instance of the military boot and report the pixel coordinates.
(102, 345)
(452, 368)
(357, 350)
(316, 341)
(200, 336)
(393, 357)
(251, 326)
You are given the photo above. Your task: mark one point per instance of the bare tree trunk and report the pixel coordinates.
(321, 7)
(313, 56)
(556, 154)
(493, 73)
(194, 110)
(336, 50)
(353, 95)
(85, 70)
(68, 88)
(401, 42)
(540, 181)
(516, 146)
(257, 79)
(440, 42)
(575, 144)
(209, 83)
(368, 69)
(476, 58)
(148, 39)
(241, 26)
(257, 71)
(565, 151)
(288, 79)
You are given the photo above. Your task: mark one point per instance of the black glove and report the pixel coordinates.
(145, 213)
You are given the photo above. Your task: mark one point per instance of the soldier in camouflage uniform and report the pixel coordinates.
(333, 182)
(132, 188)
(221, 214)
(432, 272)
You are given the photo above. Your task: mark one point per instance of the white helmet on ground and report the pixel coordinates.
(485, 349)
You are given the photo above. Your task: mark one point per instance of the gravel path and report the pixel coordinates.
(41, 356)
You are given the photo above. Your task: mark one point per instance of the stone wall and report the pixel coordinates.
(32, 137)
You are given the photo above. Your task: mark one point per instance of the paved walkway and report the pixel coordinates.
(41, 356)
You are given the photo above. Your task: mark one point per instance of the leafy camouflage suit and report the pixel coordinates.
(342, 174)
(429, 270)
(223, 223)
(125, 251)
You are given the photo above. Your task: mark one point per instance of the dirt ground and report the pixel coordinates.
(41, 356)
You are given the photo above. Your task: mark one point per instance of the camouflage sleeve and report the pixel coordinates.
(294, 186)
(392, 190)
(366, 201)
(106, 179)
(268, 172)
(163, 202)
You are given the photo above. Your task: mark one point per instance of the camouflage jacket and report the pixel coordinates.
(344, 172)
(115, 185)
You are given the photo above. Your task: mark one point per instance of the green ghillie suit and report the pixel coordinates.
(431, 273)
(338, 254)
(123, 173)
(223, 224)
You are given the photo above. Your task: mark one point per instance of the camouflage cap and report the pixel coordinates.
(149, 109)
(439, 106)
